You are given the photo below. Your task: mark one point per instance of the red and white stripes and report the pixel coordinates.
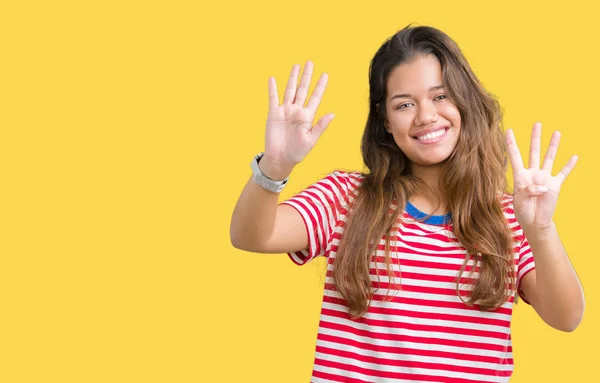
(423, 332)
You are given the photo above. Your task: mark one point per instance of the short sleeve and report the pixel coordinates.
(525, 264)
(523, 255)
(321, 206)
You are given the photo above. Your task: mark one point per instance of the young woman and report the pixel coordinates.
(426, 251)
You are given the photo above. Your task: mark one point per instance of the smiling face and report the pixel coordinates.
(423, 120)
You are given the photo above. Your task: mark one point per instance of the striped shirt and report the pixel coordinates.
(425, 333)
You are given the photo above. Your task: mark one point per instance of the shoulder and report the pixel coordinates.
(351, 178)
(342, 181)
(338, 187)
(341, 186)
(506, 203)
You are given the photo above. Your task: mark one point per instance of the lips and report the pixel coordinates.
(430, 134)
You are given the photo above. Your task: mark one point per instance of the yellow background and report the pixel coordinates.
(126, 133)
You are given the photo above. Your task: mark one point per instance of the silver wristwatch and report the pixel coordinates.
(263, 180)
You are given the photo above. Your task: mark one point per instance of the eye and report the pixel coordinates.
(441, 97)
(403, 106)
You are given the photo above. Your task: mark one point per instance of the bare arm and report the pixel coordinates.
(258, 223)
(553, 288)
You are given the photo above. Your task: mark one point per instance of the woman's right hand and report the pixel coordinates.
(290, 133)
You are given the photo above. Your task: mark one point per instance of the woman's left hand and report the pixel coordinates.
(536, 189)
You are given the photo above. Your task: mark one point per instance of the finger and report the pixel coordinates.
(551, 152)
(322, 124)
(534, 149)
(513, 151)
(562, 175)
(290, 90)
(317, 94)
(304, 84)
(273, 96)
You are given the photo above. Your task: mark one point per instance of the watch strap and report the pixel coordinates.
(260, 178)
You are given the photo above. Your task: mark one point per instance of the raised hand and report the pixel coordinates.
(290, 134)
(536, 189)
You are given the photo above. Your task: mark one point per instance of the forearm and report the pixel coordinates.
(560, 298)
(254, 215)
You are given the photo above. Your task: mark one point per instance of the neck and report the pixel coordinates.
(430, 199)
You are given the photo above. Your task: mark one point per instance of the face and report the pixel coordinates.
(424, 122)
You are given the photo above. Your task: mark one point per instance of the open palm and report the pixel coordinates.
(536, 190)
(290, 134)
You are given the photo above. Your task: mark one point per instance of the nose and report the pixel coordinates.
(427, 114)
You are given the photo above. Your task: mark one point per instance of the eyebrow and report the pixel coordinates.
(406, 95)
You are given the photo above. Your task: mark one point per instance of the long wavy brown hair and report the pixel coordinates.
(473, 179)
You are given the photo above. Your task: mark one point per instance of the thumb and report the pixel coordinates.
(534, 190)
(322, 124)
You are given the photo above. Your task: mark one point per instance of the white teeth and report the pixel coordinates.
(430, 136)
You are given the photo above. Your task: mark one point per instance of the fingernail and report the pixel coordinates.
(542, 189)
